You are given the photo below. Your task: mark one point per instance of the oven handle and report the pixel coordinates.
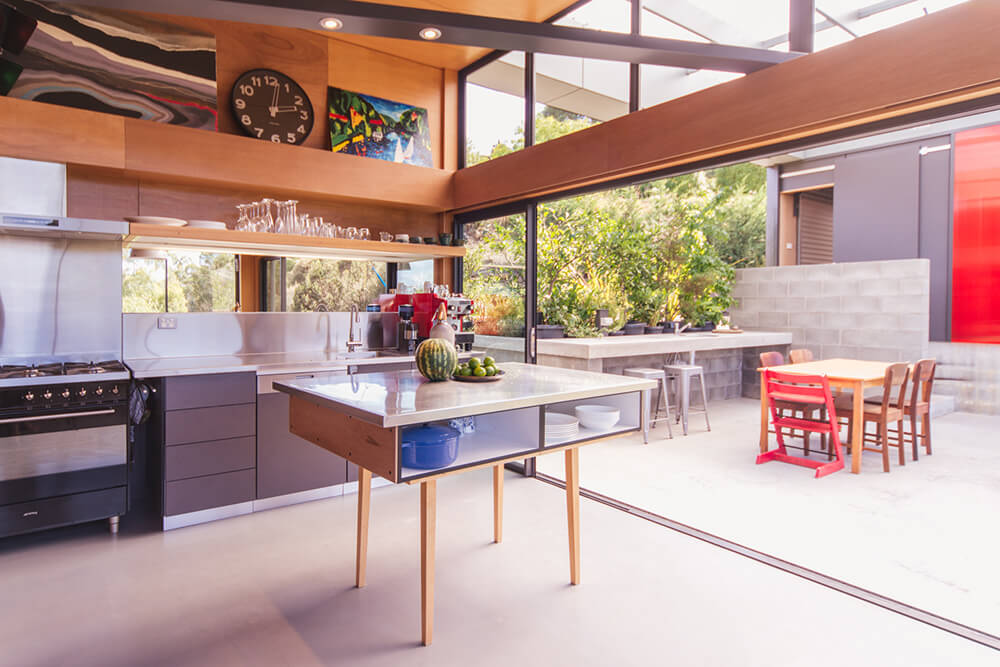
(38, 418)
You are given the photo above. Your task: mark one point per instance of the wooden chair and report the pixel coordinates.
(800, 356)
(881, 412)
(918, 405)
(811, 393)
(773, 358)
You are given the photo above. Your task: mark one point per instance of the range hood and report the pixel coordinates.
(61, 227)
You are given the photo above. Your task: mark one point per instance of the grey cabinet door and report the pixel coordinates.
(286, 463)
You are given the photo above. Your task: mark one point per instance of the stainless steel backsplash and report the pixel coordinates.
(214, 334)
(59, 299)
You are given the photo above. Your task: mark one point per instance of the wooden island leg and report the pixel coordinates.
(497, 503)
(428, 503)
(573, 511)
(364, 503)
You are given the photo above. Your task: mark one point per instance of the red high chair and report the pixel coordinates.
(809, 390)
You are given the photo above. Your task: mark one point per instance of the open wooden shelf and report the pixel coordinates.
(285, 245)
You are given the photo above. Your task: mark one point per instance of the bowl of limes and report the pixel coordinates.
(478, 370)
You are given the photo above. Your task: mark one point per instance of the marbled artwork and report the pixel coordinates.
(119, 63)
(371, 126)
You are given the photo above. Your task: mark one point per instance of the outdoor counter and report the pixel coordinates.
(729, 360)
(593, 349)
(363, 419)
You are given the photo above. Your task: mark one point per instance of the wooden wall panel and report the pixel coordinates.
(177, 154)
(37, 131)
(391, 77)
(103, 194)
(449, 119)
(301, 54)
(930, 62)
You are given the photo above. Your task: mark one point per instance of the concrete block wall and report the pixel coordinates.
(970, 373)
(861, 310)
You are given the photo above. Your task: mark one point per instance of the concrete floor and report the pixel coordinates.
(924, 534)
(275, 589)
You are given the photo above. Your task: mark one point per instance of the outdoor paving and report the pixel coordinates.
(924, 534)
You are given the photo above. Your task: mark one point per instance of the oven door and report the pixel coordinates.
(61, 453)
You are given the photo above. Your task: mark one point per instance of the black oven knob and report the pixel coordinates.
(82, 392)
(64, 393)
(29, 396)
(47, 395)
(99, 391)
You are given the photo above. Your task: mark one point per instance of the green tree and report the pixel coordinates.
(321, 285)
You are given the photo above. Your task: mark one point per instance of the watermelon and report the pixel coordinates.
(436, 359)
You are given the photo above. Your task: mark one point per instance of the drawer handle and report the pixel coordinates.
(38, 418)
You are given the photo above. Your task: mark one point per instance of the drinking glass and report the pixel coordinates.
(266, 219)
(351, 233)
(286, 216)
(385, 237)
(364, 234)
(243, 221)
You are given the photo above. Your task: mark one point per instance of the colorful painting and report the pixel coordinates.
(119, 63)
(373, 127)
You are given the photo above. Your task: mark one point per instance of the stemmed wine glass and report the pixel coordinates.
(243, 221)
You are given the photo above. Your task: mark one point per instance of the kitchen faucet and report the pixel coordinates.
(353, 344)
(678, 328)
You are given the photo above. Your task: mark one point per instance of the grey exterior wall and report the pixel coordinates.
(862, 310)
(876, 204)
(934, 234)
(891, 202)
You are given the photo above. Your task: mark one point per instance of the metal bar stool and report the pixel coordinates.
(683, 373)
(661, 394)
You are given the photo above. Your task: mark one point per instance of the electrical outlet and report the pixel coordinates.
(166, 322)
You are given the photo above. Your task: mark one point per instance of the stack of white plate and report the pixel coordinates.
(559, 426)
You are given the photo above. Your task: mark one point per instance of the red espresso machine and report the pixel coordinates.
(425, 305)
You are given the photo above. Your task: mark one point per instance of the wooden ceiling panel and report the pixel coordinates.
(453, 56)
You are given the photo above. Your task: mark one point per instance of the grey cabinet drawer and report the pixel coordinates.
(200, 493)
(203, 424)
(197, 391)
(208, 458)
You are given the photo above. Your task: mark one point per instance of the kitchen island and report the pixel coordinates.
(363, 418)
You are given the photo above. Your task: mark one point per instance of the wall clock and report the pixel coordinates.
(269, 105)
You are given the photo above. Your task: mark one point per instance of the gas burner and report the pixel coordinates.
(45, 370)
(93, 367)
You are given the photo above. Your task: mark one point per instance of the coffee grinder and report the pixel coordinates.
(406, 331)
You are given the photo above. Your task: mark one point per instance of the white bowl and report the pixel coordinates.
(598, 417)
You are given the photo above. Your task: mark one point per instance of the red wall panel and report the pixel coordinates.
(975, 286)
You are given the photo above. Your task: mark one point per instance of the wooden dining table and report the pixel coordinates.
(853, 374)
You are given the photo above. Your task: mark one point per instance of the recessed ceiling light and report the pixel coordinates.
(430, 34)
(331, 23)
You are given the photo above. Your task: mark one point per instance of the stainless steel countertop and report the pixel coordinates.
(262, 364)
(405, 397)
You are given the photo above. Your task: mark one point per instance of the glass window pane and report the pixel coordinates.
(608, 15)
(179, 281)
(574, 93)
(414, 275)
(322, 285)
(206, 280)
(493, 277)
(495, 109)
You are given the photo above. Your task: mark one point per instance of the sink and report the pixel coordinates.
(367, 354)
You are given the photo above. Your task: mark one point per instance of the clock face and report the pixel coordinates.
(270, 106)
